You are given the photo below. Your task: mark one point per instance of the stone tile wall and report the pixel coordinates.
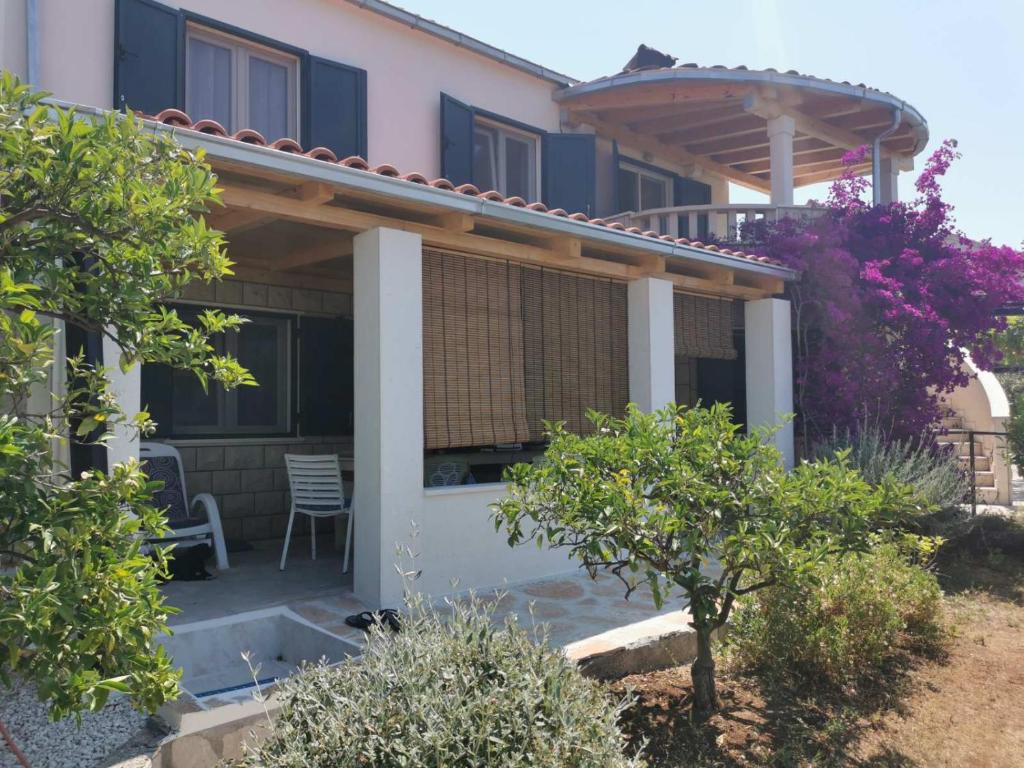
(250, 483)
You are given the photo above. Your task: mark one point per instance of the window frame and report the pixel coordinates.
(228, 401)
(500, 132)
(242, 49)
(641, 172)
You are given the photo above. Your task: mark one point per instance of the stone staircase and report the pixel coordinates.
(984, 476)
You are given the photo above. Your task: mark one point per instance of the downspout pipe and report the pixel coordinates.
(876, 155)
(32, 42)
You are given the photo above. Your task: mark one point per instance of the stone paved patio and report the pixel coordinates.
(573, 607)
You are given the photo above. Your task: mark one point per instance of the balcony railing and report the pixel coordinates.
(724, 222)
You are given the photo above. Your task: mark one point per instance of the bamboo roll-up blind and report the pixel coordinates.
(575, 348)
(703, 327)
(473, 388)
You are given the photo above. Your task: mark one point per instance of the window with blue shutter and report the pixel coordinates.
(164, 58)
(147, 55)
(570, 166)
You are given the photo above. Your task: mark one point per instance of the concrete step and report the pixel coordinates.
(986, 495)
(985, 479)
(961, 442)
(982, 463)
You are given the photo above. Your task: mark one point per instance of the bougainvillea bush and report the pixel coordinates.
(889, 297)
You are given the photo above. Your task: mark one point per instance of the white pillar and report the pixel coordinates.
(888, 183)
(126, 386)
(652, 376)
(780, 143)
(388, 319)
(769, 364)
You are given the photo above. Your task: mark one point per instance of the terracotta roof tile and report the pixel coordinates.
(178, 119)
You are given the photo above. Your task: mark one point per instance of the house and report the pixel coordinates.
(441, 244)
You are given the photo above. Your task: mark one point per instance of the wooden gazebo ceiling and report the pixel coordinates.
(717, 118)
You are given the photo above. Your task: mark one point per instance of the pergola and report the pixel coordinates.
(765, 130)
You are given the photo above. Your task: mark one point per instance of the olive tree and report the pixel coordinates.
(100, 223)
(681, 499)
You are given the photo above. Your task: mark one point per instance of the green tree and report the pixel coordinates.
(100, 222)
(681, 499)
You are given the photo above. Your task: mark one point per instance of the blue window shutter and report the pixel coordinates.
(336, 107)
(569, 163)
(690, 192)
(148, 53)
(326, 383)
(456, 140)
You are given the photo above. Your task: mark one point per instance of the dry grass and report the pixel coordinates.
(964, 707)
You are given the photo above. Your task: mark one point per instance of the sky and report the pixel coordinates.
(961, 64)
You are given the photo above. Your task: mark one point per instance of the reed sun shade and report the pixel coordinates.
(576, 348)
(703, 327)
(473, 390)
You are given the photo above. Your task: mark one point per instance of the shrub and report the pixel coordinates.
(449, 690)
(842, 622)
(656, 498)
(934, 472)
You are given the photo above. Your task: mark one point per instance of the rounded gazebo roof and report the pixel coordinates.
(717, 117)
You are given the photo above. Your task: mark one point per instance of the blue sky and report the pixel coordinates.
(960, 64)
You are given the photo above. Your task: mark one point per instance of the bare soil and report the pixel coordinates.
(961, 707)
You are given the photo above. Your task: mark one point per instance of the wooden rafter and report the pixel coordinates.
(557, 252)
(630, 138)
(655, 94)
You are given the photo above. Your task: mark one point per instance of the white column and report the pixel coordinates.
(126, 386)
(769, 363)
(888, 183)
(780, 143)
(388, 319)
(652, 373)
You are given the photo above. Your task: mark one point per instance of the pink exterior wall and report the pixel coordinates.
(407, 69)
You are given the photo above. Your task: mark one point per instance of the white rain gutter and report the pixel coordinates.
(32, 42)
(876, 155)
(253, 155)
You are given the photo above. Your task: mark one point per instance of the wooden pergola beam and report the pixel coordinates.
(680, 154)
(558, 253)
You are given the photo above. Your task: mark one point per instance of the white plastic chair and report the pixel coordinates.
(317, 491)
(198, 520)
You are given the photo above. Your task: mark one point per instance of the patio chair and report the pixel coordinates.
(441, 471)
(317, 491)
(188, 522)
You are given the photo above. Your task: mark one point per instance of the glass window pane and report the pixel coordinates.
(518, 159)
(485, 159)
(627, 191)
(259, 350)
(268, 98)
(652, 192)
(208, 90)
(192, 408)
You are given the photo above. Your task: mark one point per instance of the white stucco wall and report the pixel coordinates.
(406, 69)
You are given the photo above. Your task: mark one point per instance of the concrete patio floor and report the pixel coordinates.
(573, 607)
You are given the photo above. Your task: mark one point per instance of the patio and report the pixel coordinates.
(573, 607)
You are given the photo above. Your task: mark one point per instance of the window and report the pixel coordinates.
(263, 345)
(241, 84)
(505, 159)
(642, 190)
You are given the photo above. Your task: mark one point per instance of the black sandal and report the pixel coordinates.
(367, 619)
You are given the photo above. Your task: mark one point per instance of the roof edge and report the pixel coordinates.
(461, 40)
(784, 79)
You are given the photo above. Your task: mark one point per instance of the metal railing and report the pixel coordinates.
(972, 457)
